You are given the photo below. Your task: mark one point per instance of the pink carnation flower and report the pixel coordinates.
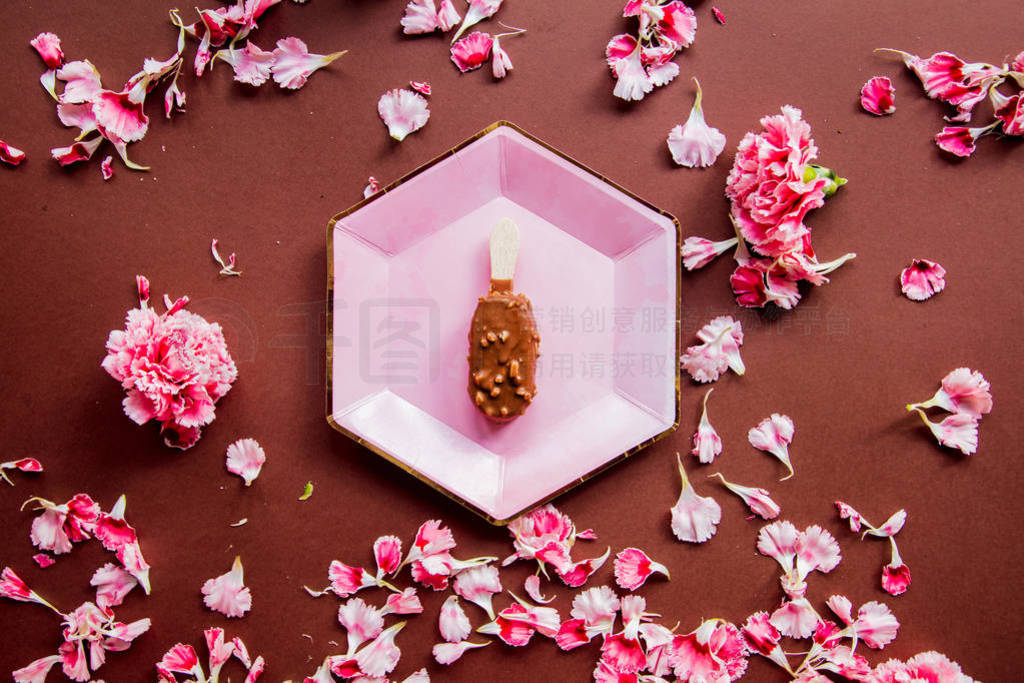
(174, 367)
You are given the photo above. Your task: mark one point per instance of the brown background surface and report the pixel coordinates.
(264, 170)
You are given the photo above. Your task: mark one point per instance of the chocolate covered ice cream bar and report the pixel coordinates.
(503, 338)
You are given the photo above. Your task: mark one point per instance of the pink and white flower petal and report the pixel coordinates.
(112, 585)
(795, 618)
(896, 574)
(432, 538)
(220, 651)
(960, 140)
(619, 47)
(847, 512)
(372, 187)
(633, 567)
(573, 633)
(447, 16)
(1010, 110)
(577, 573)
(472, 51)
(403, 112)
(106, 169)
(256, 670)
(182, 659)
(293, 62)
(758, 500)
(130, 557)
(532, 587)
(632, 79)
(448, 653)
(935, 666)
(778, 540)
(841, 607)
(420, 676)
(875, 625)
(891, 527)
(678, 25)
(112, 530)
(773, 435)
(78, 151)
(816, 549)
(43, 560)
(48, 47)
(622, 654)
(501, 63)
(694, 518)
(420, 17)
(36, 671)
(452, 621)
(251, 64)
(922, 279)
(545, 620)
(387, 550)
(10, 154)
(959, 431)
(478, 585)
(381, 656)
(346, 580)
(119, 115)
(878, 96)
(422, 87)
(597, 608)
(963, 391)
(761, 635)
(698, 252)
(81, 82)
(361, 622)
(245, 458)
(477, 12)
(695, 144)
(227, 593)
(406, 602)
(13, 588)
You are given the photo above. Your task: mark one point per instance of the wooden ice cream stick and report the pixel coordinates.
(504, 250)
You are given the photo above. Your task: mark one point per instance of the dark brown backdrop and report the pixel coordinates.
(263, 170)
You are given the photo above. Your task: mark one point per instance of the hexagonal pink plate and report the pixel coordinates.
(601, 267)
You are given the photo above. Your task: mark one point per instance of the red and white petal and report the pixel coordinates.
(423, 576)
(105, 168)
(678, 25)
(432, 538)
(619, 47)
(452, 621)
(572, 633)
(633, 567)
(501, 63)
(220, 651)
(346, 580)
(182, 659)
(841, 607)
(447, 16)
(420, 17)
(632, 79)
(406, 602)
(758, 500)
(816, 549)
(875, 625)
(761, 635)
(81, 82)
(10, 154)
(847, 512)
(544, 620)
(878, 96)
(922, 279)
(112, 585)
(251, 64)
(964, 391)
(960, 140)
(130, 556)
(447, 653)
(697, 252)
(387, 550)
(36, 671)
(24, 464)
(478, 11)
(13, 588)
(532, 587)
(293, 62)
(48, 47)
(896, 574)
(478, 585)
(623, 654)
(118, 114)
(78, 151)
(372, 187)
(719, 17)
(381, 656)
(403, 112)
(472, 51)
(577, 573)
(773, 435)
(959, 431)
(361, 622)
(596, 607)
(695, 144)
(245, 458)
(43, 560)
(421, 87)
(256, 670)
(795, 618)
(227, 593)
(48, 533)
(694, 518)
(511, 631)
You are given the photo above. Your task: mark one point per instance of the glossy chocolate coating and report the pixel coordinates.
(503, 349)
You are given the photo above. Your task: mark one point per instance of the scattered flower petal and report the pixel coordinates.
(633, 567)
(963, 391)
(245, 458)
(250, 64)
(293, 63)
(360, 621)
(227, 593)
(960, 140)
(922, 279)
(472, 51)
(421, 87)
(112, 585)
(403, 112)
(773, 435)
(706, 442)
(501, 63)
(795, 618)
(372, 187)
(895, 575)
(847, 512)
(420, 17)
(477, 12)
(447, 653)
(719, 17)
(758, 500)
(878, 96)
(381, 656)
(43, 560)
(452, 621)
(695, 144)
(694, 518)
(875, 625)
(478, 585)
(532, 587)
(48, 47)
(720, 350)
(959, 431)
(105, 168)
(10, 154)
(697, 252)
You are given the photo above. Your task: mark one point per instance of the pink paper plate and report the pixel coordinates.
(601, 267)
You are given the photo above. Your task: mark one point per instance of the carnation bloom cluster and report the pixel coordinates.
(896, 574)
(173, 367)
(119, 116)
(965, 394)
(641, 62)
(772, 186)
(963, 85)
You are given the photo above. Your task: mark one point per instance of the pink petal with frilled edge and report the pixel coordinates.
(773, 435)
(596, 607)
(245, 458)
(795, 618)
(447, 15)
(878, 96)
(633, 567)
(381, 656)
(477, 12)
(847, 512)
(251, 64)
(706, 442)
(472, 51)
(532, 587)
(896, 574)
(452, 621)
(577, 573)
(778, 540)
(112, 585)
(632, 80)
(758, 500)
(293, 62)
(841, 607)
(697, 252)
(420, 17)
(182, 659)
(959, 431)
(403, 112)
(816, 549)
(37, 670)
(43, 560)
(48, 47)
(78, 151)
(960, 140)
(10, 154)
(227, 593)
(695, 144)
(120, 115)
(478, 585)
(362, 622)
(105, 168)
(421, 87)
(922, 279)
(875, 625)
(719, 351)
(447, 653)
(220, 651)
(694, 518)
(81, 82)
(406, 602)
(678, 24)
(387, 550)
